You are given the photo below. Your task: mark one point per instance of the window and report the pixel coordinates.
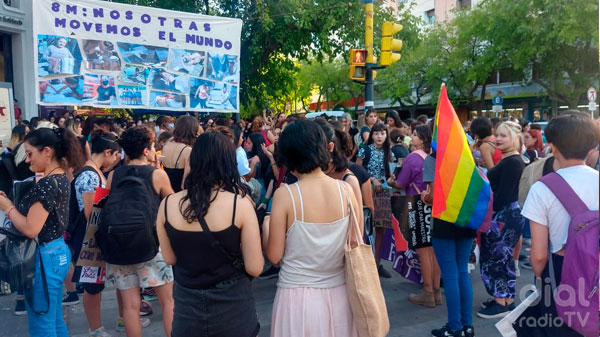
(430, 16)
(12, 3)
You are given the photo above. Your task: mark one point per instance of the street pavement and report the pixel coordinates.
(406, 319)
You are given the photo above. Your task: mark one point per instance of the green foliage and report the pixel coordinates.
(554, 43)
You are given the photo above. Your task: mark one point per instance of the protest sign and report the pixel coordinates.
(90, 265)
(105, 54)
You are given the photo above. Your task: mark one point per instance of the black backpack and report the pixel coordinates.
(8, 172)
(127, 232)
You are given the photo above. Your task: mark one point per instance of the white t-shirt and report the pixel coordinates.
(544, 208)
(242, 161)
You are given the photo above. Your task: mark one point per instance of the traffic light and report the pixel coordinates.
(358, 71)
(388, 44)
(358, 57)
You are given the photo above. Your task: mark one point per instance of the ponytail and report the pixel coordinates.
(67, 149)
(101, 141)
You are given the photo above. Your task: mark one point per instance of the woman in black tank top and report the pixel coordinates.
(212, 294)
(186, 131)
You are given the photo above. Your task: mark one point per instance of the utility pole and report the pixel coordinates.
(370, 62)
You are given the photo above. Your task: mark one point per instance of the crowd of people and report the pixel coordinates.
(218, 198)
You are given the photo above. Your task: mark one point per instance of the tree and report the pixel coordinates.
(329, 79)
(555, 41)
(277, 32)
(404, 82)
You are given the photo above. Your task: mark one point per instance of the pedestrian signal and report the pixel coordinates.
(389, 45)
(358, 57)
(358, 73)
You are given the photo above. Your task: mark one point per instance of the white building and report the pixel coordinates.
(17, 54)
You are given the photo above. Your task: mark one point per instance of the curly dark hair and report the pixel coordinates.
(212, 165)
(135, 140)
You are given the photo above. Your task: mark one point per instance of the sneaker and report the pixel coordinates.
(488, 303)
(494, 310)
(468, 331)
(446, 332)
(70, 298)
(145, 308)
(144, 322)
(270, 273)
(149, 294)
(383, 273)
(20, 307)
(100, 332)
(526, 264)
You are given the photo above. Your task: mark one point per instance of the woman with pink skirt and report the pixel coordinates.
(306, 237)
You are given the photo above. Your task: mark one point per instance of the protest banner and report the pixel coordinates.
(105, 54)
(90, 265)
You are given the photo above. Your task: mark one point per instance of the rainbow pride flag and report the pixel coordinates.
(461, 192)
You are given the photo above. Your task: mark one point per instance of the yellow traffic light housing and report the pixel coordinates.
(388, 44)
(358, 73)
(358, 57)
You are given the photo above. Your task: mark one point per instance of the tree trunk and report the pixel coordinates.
(318, 108)
(554, 109)
(482, 99)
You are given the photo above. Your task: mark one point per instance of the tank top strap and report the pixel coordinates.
(293, 201)
(341, 198)
(179, 156)
(301, 202)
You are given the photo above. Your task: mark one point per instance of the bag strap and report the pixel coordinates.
(214, 242)
(564, 193)
(44, 285)
(353, 228)
(416, 188)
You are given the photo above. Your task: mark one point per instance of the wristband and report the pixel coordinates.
(264, 201)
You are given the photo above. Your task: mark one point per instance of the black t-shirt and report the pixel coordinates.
(360, 172)
(504, 180)
(399, 151)
(53, 193)
(105, 93)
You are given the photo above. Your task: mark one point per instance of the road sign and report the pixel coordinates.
(592, 106)
(592, 95)
(497, 108)
(498, 100)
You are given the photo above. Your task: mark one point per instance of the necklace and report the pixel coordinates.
(54, 169)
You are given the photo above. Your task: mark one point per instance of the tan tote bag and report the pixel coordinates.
(362, 282)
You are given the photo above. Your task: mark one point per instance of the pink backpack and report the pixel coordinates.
(579, 280)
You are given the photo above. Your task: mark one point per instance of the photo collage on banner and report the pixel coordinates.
(117, 71)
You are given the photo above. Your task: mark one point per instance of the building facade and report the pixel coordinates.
(16, 53)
